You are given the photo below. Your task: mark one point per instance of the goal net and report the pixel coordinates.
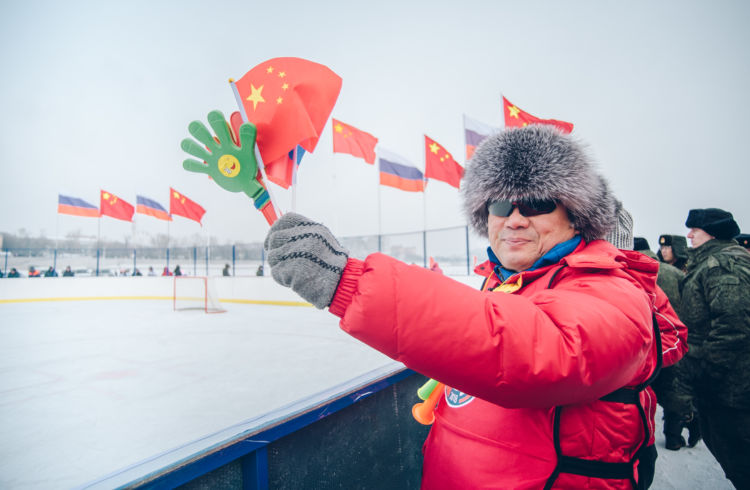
(195, 293)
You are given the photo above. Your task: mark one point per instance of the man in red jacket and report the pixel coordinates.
(545, 367)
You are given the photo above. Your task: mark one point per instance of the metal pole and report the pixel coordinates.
(234, 257)
(195, 261)
(424, 248)
(167, 257)
(54, 261)
(206, 261)
(134, 252)
(97, 262)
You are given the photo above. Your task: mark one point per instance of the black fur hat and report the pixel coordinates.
(538, 162)
(716, 222)
(640, 243)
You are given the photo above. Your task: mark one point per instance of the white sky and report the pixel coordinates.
(98, 95)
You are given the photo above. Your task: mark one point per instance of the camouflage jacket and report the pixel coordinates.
(715, 307)
(668, 280)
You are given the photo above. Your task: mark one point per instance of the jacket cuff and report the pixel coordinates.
(342, 298)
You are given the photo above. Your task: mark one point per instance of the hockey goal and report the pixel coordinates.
(195, 293)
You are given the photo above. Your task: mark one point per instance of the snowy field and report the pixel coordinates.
(90, 387)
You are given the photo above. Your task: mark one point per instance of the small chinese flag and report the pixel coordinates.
(113, 206)
(348, 139)
(289, 101)
(440, 165)
(182, 206)
(516, 118)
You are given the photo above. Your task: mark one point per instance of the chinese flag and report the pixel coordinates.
(348, 139)
(111, 205)
(440, 165)
(516, 118)
(289, 101)
(182, 206)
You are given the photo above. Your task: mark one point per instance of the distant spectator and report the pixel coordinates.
(51, 272)
(13, 273)
(151, 271)
(434, 266)
(33, 272)
(259, 272)
(177, 271)
(166, 272)
(1, 274)
(226, 271)
(68, 273)
(744, 240)
(137, 272)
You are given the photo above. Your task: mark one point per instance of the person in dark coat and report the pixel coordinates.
(716, 309)
(679, 410)
(673, 250)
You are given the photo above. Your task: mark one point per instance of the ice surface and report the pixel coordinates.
(90, 387)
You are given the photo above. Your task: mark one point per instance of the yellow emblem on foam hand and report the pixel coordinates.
(229, 166)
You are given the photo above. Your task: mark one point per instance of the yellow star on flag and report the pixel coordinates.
(279, 100)
(255, 96)
(269, 69)
(282, 74)
(338, 128)
(513, 111)
(434, 147)
(285, 86)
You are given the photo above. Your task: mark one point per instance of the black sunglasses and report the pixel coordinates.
(530, 207)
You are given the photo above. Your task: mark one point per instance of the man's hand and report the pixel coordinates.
(305, 256)
(232, 167)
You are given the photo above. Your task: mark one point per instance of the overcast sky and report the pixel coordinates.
(98, 95)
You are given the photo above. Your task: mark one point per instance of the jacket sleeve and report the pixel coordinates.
(587, 337)
(673, 332)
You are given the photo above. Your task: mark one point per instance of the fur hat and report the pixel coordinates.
(640, 243)
(744, 240)
(716, 222)
(538, 162)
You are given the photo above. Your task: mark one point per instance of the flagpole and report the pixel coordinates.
(380, 216)
(259, 159)
(424, 212)
(294, 180)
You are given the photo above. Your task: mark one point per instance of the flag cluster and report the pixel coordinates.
(290, 99)
(115, 207)
(395, 171)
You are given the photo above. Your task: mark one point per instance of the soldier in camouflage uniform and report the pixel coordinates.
(673, 250)
(677, 405)
(716, 308)
(744, 240)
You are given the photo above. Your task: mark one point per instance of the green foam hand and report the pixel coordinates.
(233, 167)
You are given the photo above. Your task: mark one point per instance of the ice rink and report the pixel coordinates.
(88, 388)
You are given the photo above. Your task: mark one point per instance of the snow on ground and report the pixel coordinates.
(90, 387)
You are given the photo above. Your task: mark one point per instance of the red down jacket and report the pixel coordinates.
(575, 332)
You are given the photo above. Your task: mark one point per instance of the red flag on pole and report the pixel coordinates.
(113, 206)
(182, 206)
(440, 165)
(516, 118)
(348, 139)
(289, 101)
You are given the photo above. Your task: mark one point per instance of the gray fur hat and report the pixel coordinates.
(538, 162)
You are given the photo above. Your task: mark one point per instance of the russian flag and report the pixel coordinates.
(150, 207)
(474, 133)
(76, 207)
(396, 171)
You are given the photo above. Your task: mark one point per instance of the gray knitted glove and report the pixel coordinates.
(305, 256)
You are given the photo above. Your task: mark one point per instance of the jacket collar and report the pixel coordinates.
(553, 256)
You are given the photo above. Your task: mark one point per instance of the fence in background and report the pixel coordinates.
(453, 248)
